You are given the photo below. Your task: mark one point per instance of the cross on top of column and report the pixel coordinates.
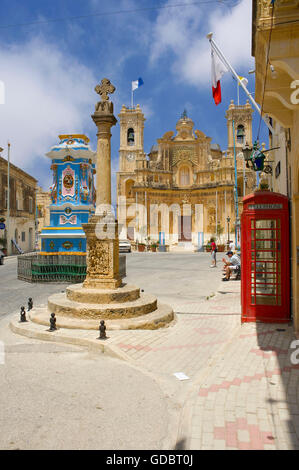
(104, 89)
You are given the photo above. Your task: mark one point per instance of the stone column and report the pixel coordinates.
(104, 122)
(102, 229)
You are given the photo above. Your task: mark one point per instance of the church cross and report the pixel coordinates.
(104, 89)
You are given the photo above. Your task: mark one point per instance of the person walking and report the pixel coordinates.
(213, 253)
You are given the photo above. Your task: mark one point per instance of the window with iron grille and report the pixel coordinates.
(30, 205)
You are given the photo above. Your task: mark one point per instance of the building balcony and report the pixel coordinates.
(283, 64)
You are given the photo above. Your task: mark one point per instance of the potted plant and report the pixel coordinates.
(220, 247)
(208, 246)
(154, 246)
(141, 246)
(264, 186)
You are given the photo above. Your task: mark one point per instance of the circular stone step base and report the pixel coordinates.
(126, 293)
(60, 304)
(160, 318)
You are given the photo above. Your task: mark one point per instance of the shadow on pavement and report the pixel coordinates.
(274, 341)
(181, 444)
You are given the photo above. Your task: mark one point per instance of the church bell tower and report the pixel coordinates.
(131, 122)
(239, 119)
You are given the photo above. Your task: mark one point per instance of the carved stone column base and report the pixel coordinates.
(102, 283)
(102, 254)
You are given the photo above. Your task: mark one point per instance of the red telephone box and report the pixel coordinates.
(265, 274)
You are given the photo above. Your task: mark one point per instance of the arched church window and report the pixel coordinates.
(131, 136)
(240, 134)
(184, 176)
(129, 185)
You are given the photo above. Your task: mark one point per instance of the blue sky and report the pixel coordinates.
(50, 69)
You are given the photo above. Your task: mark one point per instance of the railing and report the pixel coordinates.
(33, 267)
(25, 266)
(59, 268)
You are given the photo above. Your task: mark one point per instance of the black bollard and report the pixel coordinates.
(102, 330)
(30, 304)
(23, 315)
(53, 326)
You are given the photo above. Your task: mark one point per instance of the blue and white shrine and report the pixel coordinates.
(73, 196)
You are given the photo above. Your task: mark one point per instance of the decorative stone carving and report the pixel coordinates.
(199, 134)
(168, 135)
(186, 198)
(264, 7)
(104, 89)
(183, 154)
(211, 219)
(98, 259)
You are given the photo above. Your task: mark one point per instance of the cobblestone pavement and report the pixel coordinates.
(15, 292)
(242, 390)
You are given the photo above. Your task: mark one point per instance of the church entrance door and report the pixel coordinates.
(130, 233)
(185, 232)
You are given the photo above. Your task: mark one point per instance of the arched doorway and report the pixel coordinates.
(184, 176)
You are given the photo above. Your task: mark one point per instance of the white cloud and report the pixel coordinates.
(184, 35)
(47, 93)
(174, 30)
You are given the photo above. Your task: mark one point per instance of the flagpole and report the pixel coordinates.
(228, 65)
(132, 103)
(236, 184)
(8, 239)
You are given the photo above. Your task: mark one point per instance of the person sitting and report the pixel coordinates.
(231, 265)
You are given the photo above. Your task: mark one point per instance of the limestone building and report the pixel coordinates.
(182, 192)
(21, 227)
(275, 45)
(43, 201)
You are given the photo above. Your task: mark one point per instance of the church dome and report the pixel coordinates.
(184, 126)
(75, 145)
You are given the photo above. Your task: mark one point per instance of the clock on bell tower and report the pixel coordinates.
(131, 138)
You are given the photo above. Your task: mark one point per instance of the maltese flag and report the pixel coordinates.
(218, 69)
(137, 83)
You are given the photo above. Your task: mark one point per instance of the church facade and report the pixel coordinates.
(181, 193)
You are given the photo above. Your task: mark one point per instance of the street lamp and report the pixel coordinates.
(228, 221)
(247, 151)
(257, 157)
